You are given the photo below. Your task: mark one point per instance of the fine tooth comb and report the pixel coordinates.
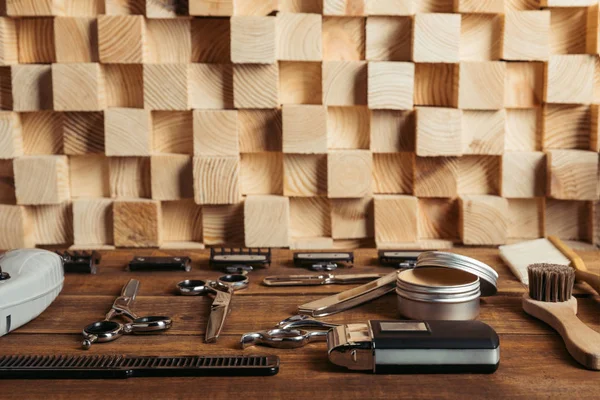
(550, 300)
(324, 261)
(234, 260)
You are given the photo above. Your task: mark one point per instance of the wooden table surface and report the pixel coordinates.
(534, 361)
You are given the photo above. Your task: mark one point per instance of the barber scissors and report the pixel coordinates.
(288, 334)
(107, 330)
(222, 291)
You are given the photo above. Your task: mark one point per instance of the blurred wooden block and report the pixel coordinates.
(524, 85)
(481, 37)
(211, 86)
(31, 87)
(391, 85)
(181, 222)
(436, 177)
(216, 180)
(530, 168)
(475, 75)
(393, 173)
(41, 179)
(438, 131)
(129, 177)
(216, 133)
(389, 39)
(89, 176)
(219, 8)
(344, 83)
(567, 3)
(438, 219)
(137, 223)
(391, 7)
(304, 175)
(260, 130)
(483, 132)
(11, 137)
(349, 173)
(522, 5)
(87, 8)
(76, 40)
(34, 7)
(593, 30)
(392, 212)
(436, 38)
(570, 79)
(303, 6)
(348, 127)
(572, 174)
(569, 220)
(344, 7)
(256, 86)
(128, 132)
(211, 40)
(255, 7)
(223, 224)
(124, 84)
(525, 218)
(125, 7)
(122, 39)
(523, 130)
(436, 85)
(343, 39)
(53, 224)
(166, 8)
(42, 133)
(568, 30)
(304, 129)
(299, 37)
(526, 35)
(83, 133)
(166, 87)
(7, 183)
(478, 174)
(267, 221)
(16, 228)
(169, 41)
(78, 87)
(93, 222)
(595, 126)
(172, 177)
(479, 6)
(309, 217)
(566, 127)
(261, 173)
(253, 40)
(311, 243)
(9, 50)
(483, 220)
(36, 40)
(300, 82)
(172, 132)
(352, 218)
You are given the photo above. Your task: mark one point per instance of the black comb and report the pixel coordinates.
(239, 258)
(80, 261)
(121, 367)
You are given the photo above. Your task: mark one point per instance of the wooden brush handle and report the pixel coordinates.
(589, 278)
(582, 342)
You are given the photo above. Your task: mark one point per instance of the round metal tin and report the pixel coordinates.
(487, 276)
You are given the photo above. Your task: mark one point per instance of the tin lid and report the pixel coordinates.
(487, 276)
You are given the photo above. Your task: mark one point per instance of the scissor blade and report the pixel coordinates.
(218, 313)
(296, 280)
(130, 290)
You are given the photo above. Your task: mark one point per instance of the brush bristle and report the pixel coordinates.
(550, 282)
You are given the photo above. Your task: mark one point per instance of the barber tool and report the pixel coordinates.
(222, 290)
(323, 279)
(107, 330)
(234, 261)
(350, 298)
(289, 333)
(323, 261)
(80, 261)
(160, 264)
(444, 286)
(550, 300)
(30, 280)
(398, 258)
(122, 367)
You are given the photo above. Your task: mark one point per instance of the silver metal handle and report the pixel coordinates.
(355, 278)
(304, 322)
(283, 338)
(322, 279)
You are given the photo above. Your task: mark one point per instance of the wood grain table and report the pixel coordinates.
(534, 362)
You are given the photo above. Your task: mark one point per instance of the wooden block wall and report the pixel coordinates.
(304, 124)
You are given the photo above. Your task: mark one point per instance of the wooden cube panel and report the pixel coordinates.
(483, 220)
(436, 38)
(137, 223)
(304, 129)
(93, 222)
(216, 180)
(572, 174)
(569, 79)
(392, 212)
(349, 173)
(16, 230)
(267, 221)
(42, 179)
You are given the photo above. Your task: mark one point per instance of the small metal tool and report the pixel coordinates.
(399, 258)
(350, 298)
(222, 291)
(288, 334)
(323, 279)
(160, 264)
(107, 330)
(80, 261)
(323, 261)
(232, 260)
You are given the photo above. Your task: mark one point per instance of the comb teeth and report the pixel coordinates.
(550, 282)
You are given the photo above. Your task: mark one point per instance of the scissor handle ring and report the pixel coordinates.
(104, 331)
(150, 324)
(233, 281)
(193, 287)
